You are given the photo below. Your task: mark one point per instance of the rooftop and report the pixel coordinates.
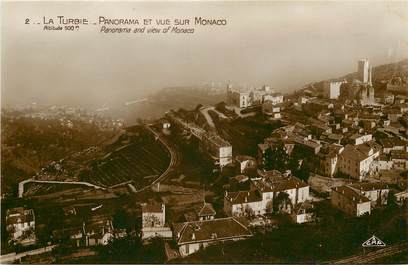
(206, 210)
(210, 230)
(274, 184)
(152, 207)
(369, 186)
(356, 153)
(351, 194)
(240, 197)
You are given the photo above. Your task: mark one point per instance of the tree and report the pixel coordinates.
(281, 202)
(276, 157)
(303, 172)
(249, 212)
(121, 219)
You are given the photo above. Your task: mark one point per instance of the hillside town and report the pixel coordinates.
(256, 164)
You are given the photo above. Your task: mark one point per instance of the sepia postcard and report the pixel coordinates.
(204, 132)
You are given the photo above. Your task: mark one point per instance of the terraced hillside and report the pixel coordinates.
(134, 157)
(140, 161)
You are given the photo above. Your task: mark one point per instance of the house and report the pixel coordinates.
(398, 84)
(355, 161)
(304, 142)
(98, 232)
(238, 182)
(358, 139)
(263, 191)
(206, 212)
(303, 213)
(271, 185)
(273, 98)
(244, 203)
(218, 149)
(332, 89)
(90, 232)
(191, 237)
(394, 143)
(350, 201)
(382, 163)
(399, 159)
(319, 127)
(202, 211)
(401, 197)
(245, 163)
(271, 109)
(376, 192)
(20, 226)
(331, 137)
(328, 158)
(393, 114)
(154, 220)
(240, 99)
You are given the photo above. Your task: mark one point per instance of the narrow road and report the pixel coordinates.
(174, 159)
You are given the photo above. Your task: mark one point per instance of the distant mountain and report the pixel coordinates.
(168, 98)
(380, 73)
(385, 71)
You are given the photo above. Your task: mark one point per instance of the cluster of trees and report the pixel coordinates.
(28, 144)
(298, 162)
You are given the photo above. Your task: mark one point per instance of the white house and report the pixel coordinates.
(243, 203)
(355, 161)
(245, 162)
(154, 220)
(191, 237)
(20, 225)
(274, 98)
(350, 201)
(303, 213)
(259, 199)
(332, 89)
(358, 139)
(376, 192)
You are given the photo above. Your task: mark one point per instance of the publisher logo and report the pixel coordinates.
(374, 242)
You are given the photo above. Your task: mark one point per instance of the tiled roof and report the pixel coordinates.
(210, 230)
(369, 186)
(206, 210)
(351, 152)
(240, 197)
(279, 184)
(391, 142)
(351, 194)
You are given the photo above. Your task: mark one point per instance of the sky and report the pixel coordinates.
(282, 44)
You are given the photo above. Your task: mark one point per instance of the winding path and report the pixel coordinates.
(174, 159)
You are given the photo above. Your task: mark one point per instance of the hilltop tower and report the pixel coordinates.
(363, 70)
(370, 74)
